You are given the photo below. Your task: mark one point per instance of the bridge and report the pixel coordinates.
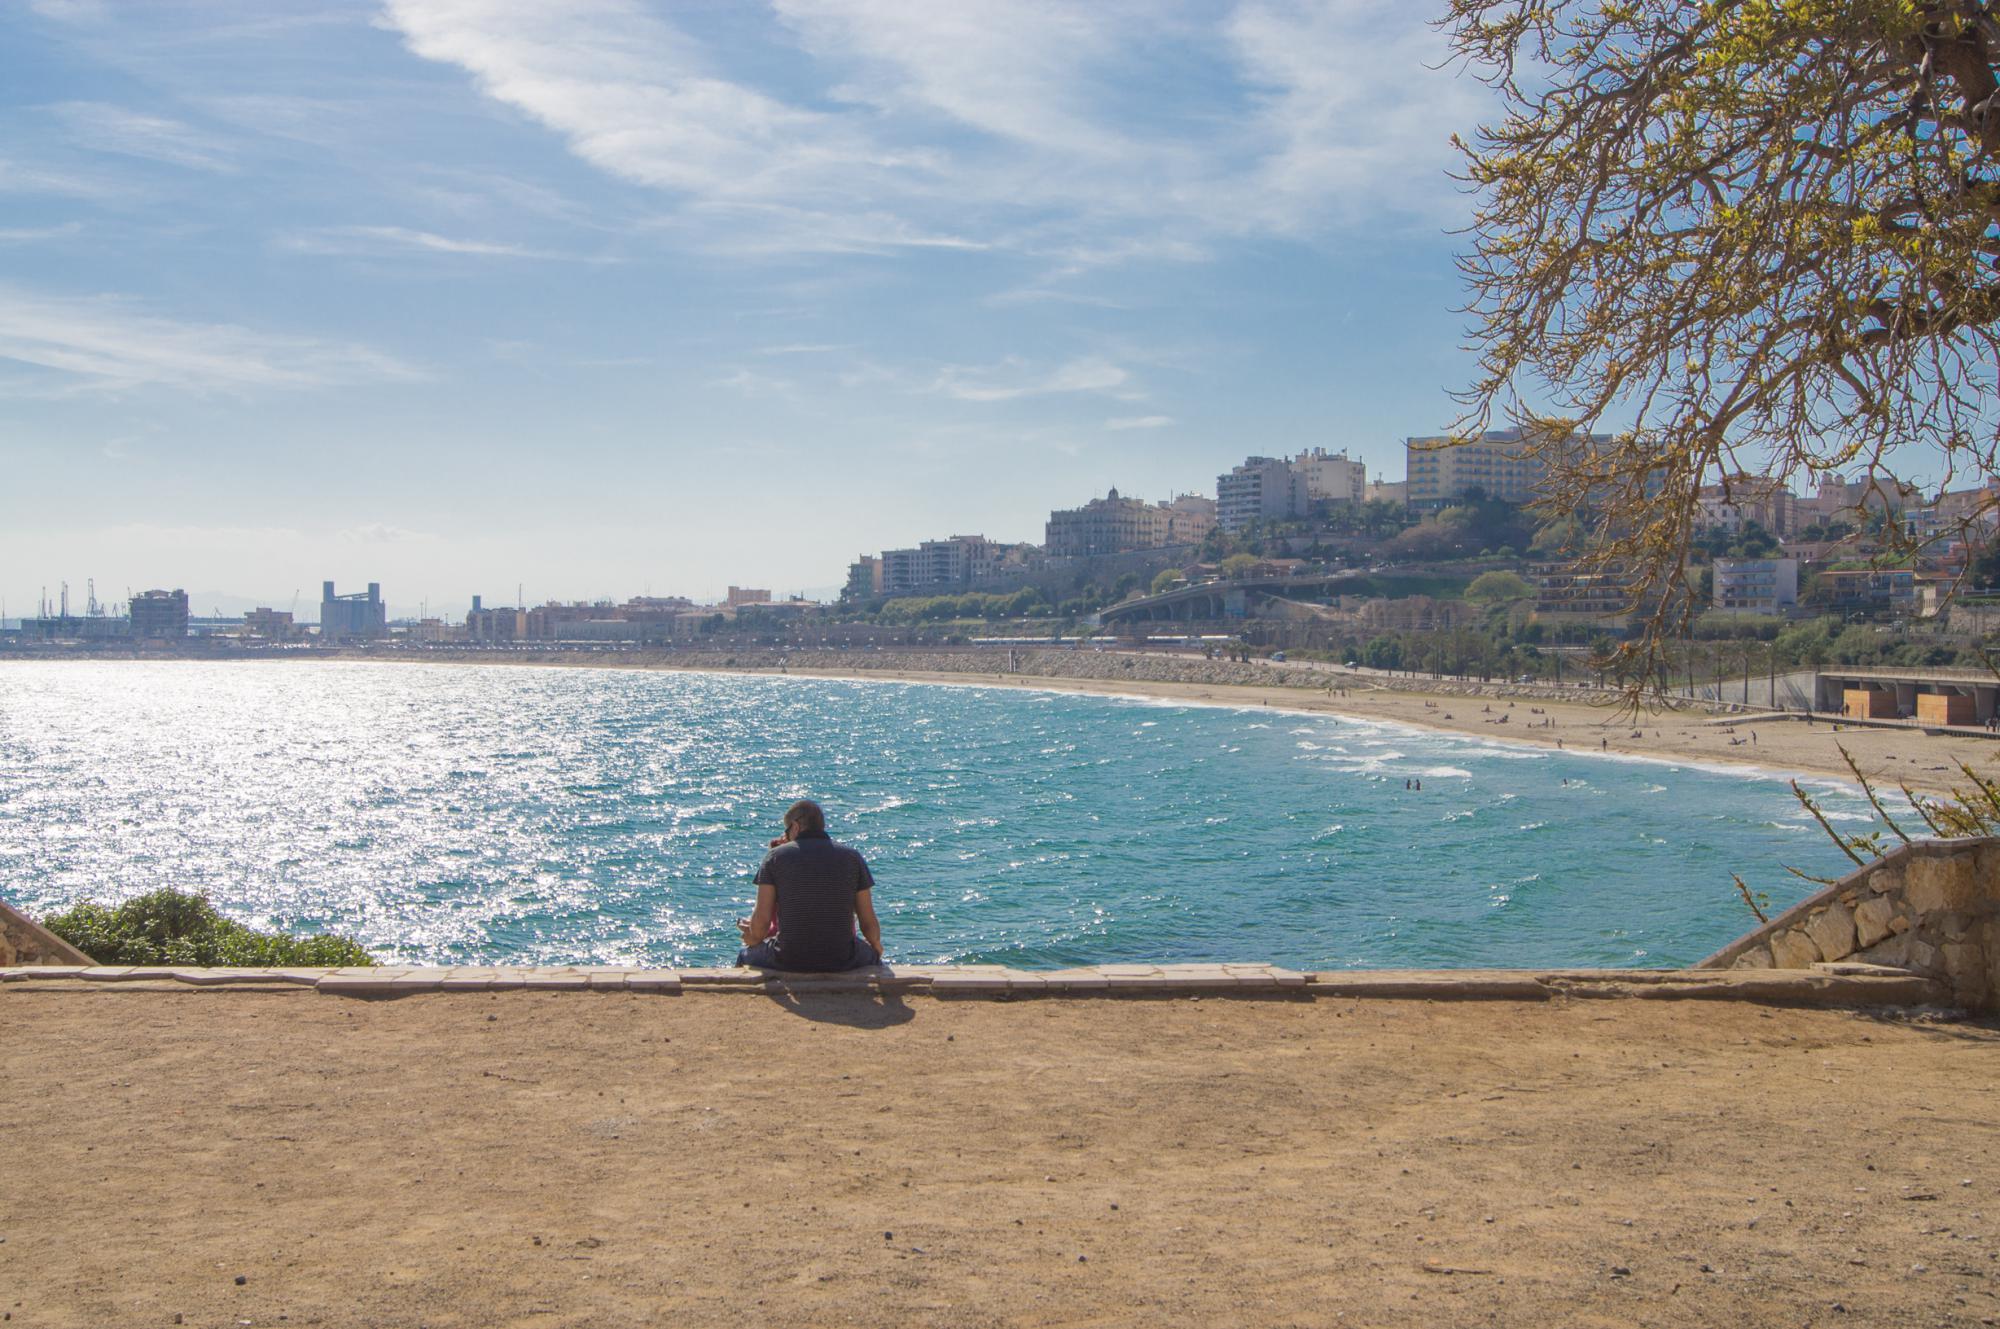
(1210, 600)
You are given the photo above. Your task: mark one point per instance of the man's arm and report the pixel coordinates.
(864, 912)
(758, 927)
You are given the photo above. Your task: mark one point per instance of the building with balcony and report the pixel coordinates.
(1262, 489)
(1756, 585)
(1116, 524)
(1872, 592)
(1742, 500)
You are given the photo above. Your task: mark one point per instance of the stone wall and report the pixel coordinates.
(24, 941)
(1932, 907)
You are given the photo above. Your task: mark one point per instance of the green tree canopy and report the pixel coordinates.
(1237, 565)
(1498, 586)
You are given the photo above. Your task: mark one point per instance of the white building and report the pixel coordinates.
(1331, 477)
(1756, 585)
(1261, 489)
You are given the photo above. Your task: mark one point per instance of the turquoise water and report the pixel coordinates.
(486, 814)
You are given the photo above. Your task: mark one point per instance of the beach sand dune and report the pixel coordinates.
(614, 1159)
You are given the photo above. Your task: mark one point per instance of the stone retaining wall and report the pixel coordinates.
(26, 942)
(1932, 907)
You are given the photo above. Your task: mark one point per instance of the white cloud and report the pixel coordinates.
(1092, 134)
(1139, 422)
(634, 97)
(390, 239)
(111, 343)
(17, 178)
(102, 127)
(21, 235)
(1007, 382)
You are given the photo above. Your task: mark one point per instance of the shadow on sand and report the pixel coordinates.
(857, 1010)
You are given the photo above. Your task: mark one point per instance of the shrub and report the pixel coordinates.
(174, 927)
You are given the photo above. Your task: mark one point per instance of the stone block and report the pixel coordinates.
(1924, 956)
(969, 984)
(1078, 980)
(1793, 949)
(1894, 952)
(1884, 881)
(1757, 957)
(1899, 924)
(1871, 921)
(1941, 881)
(723, 978)
(1832, 930)
(606, 980)
(555, 980)
(1965, 970)
(24, 973)
(200, 977)
(662, 981)
(467, 980)
(360, 983)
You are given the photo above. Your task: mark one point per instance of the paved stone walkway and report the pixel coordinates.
(1821, 985)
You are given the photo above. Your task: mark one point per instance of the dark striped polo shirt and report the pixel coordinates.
(817, 881)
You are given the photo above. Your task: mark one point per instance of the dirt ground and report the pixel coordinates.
(615, 1159)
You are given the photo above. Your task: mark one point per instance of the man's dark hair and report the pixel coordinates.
(805, 815)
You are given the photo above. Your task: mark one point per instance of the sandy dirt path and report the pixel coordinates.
(615, 1159)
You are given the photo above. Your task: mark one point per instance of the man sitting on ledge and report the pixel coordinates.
(817, 891)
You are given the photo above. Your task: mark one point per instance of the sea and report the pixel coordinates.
(493, 814)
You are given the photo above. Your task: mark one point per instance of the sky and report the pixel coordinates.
(598, 298)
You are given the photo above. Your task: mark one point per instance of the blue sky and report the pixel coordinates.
(607, 296)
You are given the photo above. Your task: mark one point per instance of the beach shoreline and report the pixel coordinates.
(1778, 748)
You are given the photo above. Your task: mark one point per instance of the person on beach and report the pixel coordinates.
(815, 892)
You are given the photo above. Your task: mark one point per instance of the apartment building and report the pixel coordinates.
(1116, 524)
(1756, 585)
(1261, 489)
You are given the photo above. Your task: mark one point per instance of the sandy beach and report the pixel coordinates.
(1926, 763)
(556, 1159)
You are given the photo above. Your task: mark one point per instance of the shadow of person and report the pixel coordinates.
(856, 1010)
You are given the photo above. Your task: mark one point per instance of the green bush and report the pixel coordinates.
(174, 927)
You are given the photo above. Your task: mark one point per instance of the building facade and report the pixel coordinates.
(357, 616)
(160, 614)
(1116, 524)
(1756, 585)
(1742, 500)
(1262, 489)
(934, 566)
(1331, 477)
(1498, 463)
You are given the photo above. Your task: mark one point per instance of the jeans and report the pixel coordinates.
(764, 956)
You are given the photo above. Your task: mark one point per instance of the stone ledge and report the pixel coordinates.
(1846, 984)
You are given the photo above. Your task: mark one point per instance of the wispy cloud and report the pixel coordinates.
(1018, 124)
(22, 235)
(802, 348)
(393, 239)
(103, 127)
(111, 343)
(1009, 380)
(1139, 422)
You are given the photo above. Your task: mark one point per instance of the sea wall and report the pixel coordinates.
(1932, 907)
(26, 942)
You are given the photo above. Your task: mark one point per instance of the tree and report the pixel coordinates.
(1748, 235)
(1165, 580)
(1238, 565)
(1498, 587)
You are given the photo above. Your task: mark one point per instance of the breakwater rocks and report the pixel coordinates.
(1932, 907)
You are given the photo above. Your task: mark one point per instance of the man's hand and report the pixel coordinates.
(743, 926)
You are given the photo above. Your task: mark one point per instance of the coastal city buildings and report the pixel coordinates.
(1261, 489)
(358, 616)
(275, 624)
(1117, 524)
(933, 566)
